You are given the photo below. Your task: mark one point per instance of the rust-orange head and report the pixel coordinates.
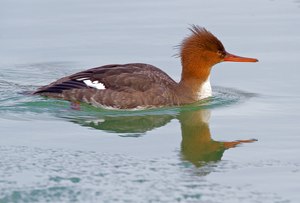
(201, 50)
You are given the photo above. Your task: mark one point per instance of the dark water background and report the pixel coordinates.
(49, 152)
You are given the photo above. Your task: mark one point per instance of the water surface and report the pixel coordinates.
(49, 152)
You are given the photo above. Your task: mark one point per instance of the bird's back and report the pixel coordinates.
(118, 86)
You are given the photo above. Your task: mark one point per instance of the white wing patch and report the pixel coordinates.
(95, 84)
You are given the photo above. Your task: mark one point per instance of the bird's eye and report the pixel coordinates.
(221, 53)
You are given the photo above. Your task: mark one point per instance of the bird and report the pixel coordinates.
(143, 86)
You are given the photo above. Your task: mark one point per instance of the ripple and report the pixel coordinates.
(60, 175)
(17, 103)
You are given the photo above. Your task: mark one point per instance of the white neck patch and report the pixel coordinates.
(95, 84)
(205, 90)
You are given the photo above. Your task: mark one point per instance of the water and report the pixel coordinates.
(51, 153)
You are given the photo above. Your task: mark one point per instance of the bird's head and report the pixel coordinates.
(201, 50)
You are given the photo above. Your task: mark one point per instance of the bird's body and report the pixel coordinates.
(138, 85)
(124, 86)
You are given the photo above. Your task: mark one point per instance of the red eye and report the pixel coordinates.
(221, 54)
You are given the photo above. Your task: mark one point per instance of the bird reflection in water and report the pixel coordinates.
(197, 146)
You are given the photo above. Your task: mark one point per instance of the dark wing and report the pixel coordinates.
(61, 85)
(125, 78)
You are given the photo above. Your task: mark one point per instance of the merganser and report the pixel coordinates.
(138, 85)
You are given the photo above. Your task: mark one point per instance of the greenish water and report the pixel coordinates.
(241, 145)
